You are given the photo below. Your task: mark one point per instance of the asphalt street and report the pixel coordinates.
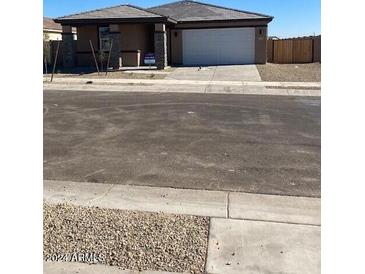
(248, 143)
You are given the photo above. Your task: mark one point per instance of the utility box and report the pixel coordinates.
(130, 59)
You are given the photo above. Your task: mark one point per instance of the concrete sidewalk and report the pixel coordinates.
(249, 233)
(183, 82)
(185, 86)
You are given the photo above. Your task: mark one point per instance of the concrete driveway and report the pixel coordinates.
(256, 144)
(217, 73)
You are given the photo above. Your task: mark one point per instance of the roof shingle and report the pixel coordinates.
(181, 11)
(189, 11)
(117, 12)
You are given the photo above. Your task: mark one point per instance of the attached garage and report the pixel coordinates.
(223, 46)
(208, 34)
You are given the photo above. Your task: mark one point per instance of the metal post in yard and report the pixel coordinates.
(101, 59)
(55, 61)
(96, 62)
(110, 51)
(45, 66)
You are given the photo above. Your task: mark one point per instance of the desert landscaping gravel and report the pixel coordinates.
(122, 75)
(111, 75)
(290, 72)
(127, 239)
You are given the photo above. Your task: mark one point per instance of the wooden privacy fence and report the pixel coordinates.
(294, 50)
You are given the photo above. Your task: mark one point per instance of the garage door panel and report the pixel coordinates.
(218, 46)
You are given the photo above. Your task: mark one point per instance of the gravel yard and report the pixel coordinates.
(112, 75)
(124, 75)
(290, 72)
(127, 239)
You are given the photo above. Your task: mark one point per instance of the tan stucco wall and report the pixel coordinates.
(84, 56)
(260, 45)
(84, 34)
(51, 35)
(176, 47)
(135, 37)
(140, 37)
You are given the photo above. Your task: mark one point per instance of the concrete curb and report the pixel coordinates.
(70, 80)
(221, 204)
(206, 89)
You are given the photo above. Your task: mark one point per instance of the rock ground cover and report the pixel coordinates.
(290, 72)
(112, 75)
(127, 239)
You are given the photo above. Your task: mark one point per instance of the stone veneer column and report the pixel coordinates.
(160, 46)
(68, 47)
(114, 34)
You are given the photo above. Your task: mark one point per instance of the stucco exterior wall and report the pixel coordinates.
(176, 46)
(260, 45)
(84, 56)
(84, 34)
(140, 37)
(51, 35)
(134, 37)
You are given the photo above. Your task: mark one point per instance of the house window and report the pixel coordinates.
(104, 38)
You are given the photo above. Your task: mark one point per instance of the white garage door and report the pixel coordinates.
(224, 46)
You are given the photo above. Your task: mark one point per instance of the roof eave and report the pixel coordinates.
(266, 20)
(65, 21)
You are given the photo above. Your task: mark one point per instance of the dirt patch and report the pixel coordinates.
(127, 239)
(290, 72)
(119, 75)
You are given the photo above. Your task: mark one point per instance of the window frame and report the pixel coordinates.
(102, 36)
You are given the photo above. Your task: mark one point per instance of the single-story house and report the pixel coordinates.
(184, 33)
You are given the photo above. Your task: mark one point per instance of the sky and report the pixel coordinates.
(293, 18)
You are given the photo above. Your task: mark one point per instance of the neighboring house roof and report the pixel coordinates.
(181, 11)
(49, 24)
(121, 12)
(192, 11)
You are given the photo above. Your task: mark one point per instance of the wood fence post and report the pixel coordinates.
(313, 49)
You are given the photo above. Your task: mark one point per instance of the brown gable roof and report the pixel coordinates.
(189, 11)
(181, 11)
(116, 12)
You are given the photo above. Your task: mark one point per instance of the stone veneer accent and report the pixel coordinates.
(160, 46)
(115, 52)
(68, 50)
